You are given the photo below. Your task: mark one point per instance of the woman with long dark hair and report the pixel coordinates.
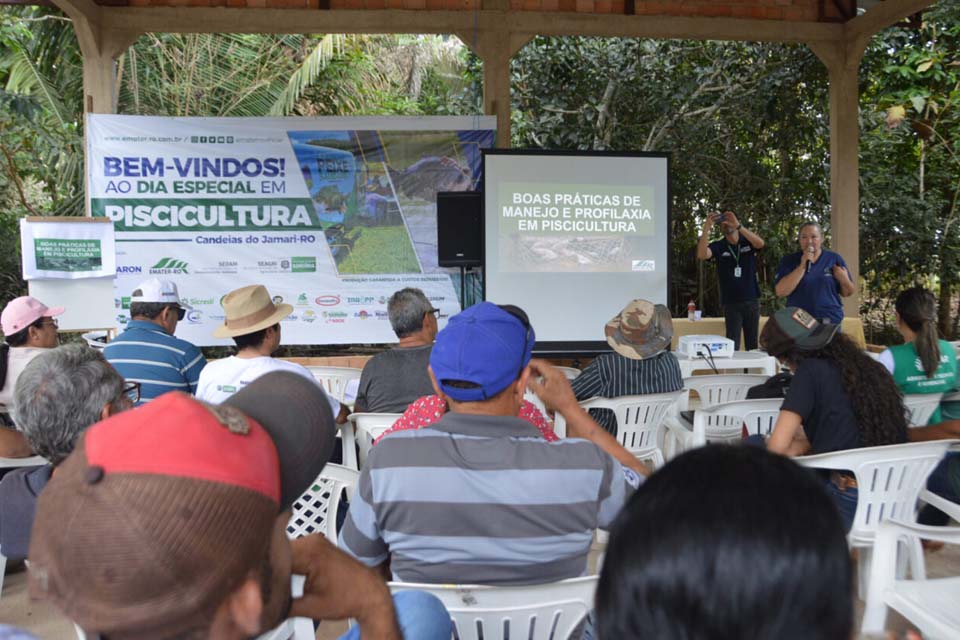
(840, 398)
(923, 363)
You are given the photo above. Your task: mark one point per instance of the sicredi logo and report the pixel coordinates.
(195, 316)
(328, 300)
(169, 266)
(129, 269)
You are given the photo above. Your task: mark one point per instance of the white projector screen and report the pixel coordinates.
(571, 237)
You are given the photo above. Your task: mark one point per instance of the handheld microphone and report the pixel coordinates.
(810, 251)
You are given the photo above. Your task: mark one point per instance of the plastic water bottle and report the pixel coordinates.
(691, 310)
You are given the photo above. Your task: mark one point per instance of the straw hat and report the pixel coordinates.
(641, 330)
(248, 310)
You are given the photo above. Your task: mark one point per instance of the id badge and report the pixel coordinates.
(736, 272)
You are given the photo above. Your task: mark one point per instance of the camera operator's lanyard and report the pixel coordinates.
(736, 254)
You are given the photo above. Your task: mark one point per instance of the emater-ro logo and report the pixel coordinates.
(328, 300)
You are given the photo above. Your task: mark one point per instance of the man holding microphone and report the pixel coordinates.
(814, 278)
(735, 255)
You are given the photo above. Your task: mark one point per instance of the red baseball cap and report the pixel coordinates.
(161, 511)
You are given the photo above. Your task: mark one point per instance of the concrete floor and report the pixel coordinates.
(47, 624)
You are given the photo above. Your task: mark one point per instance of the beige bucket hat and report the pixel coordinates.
(641, 330)
(248, 310)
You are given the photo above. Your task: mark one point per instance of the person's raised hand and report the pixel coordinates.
(710, 221)
(551, 386)
(730, 218)
(338, 587)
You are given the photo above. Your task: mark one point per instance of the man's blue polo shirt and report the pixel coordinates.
(729, 257)
(147, 354)
(818, 292)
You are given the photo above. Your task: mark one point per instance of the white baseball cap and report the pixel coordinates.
(157, 290)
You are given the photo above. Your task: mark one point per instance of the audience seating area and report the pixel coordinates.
(892, 569)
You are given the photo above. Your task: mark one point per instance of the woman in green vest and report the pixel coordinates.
(926, 364)
(923, 363)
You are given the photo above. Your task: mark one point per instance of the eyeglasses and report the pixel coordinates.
(181, 312)
(435, 312)
(50, 322)
(132, 391)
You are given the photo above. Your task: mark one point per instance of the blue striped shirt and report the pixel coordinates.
(147, 354)
(482, 499)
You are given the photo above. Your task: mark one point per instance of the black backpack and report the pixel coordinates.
(773, 387)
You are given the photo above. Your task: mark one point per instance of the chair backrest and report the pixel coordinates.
(367, 428)
(316, 510)
(726, 421)
(920, 406)
(538, 612)
(889, 480)
(640, 420)
(570, 372)
(717, 389)
(335, 379)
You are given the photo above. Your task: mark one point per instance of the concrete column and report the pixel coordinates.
(496, 50)
(842, 60)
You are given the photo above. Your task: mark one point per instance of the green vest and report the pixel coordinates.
(909, 376)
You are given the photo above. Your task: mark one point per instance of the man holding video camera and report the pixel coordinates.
(735, 255)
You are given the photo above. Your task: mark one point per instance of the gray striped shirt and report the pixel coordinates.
(482, 499)
(612, 375)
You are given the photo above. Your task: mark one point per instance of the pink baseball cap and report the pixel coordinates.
(23, 311)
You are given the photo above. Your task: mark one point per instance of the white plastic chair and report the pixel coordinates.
(316, 510)
(335, 379)
(720, 388)
(13, 463)
(920, 406)
(539, 612)
(559, 424)
(570, 372)
(890, 479)
(367, 427)
(723, 423)
(641, 421)
(930, 605)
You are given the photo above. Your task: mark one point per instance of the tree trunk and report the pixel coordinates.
(945, 305)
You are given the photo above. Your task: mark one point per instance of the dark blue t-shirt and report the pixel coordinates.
(728, 257)
(818, 292)
(816, 394)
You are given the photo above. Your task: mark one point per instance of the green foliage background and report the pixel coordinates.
(746, 124)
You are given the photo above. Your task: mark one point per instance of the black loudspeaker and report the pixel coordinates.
(459, 228)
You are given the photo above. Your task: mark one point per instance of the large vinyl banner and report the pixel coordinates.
(331, 214)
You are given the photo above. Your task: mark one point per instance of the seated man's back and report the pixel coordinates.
(391, 380)
(639, 363)
(480, 496)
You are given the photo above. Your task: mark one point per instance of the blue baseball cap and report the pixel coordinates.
(485, 345)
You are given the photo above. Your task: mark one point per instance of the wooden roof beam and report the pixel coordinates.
(254, 20)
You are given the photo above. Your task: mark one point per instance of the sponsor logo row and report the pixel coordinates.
(173, 265)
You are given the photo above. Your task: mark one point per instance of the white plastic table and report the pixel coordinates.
(741, 360)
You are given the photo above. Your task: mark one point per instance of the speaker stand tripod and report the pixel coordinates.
(463, 287)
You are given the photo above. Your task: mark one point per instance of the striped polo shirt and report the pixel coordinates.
(147, 354)
(482, 499)
(612, 375)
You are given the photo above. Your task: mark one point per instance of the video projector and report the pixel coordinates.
(705, 346)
